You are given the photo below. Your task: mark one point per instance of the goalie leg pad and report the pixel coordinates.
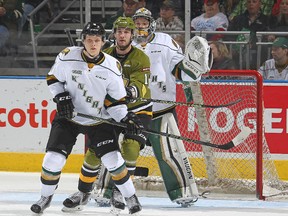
(169, 163)
(174, 162)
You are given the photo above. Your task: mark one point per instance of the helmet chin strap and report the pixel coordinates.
(122, 48)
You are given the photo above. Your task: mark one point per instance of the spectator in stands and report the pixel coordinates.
(154, 7)
(211, 20)
(280, 22)
(10, 15)
(128, 9)
(252, 20)
(222, 58)
(196, 8)
(168, 20)
(241, 6)
(277, 67)
(28, 7)
(276, 8)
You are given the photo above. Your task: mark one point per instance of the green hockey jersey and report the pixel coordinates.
(136, 72)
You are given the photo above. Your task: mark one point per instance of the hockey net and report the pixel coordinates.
(244, 169)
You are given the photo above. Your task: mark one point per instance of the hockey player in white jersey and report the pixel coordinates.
(168, 64)
(86, 80)
(136, 71)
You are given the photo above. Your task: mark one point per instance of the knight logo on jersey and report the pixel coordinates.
(119, 66)
(65, 51)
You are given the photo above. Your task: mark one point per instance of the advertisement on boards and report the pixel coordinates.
(28, 109)
(26, 114)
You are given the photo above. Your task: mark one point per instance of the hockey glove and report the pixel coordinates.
(134, 124)
(65, 106)
(132, 94)
(198, 57)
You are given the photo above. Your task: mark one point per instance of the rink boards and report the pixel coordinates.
(26, 110)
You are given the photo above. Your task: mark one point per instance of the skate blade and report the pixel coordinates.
(186, 202)
(115, 211)
(103, 202)
(136, 214)
(75, 209)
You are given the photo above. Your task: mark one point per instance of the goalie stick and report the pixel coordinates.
(190, 104)
(244, 133)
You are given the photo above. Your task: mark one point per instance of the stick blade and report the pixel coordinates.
(141, 171)
(245, 132)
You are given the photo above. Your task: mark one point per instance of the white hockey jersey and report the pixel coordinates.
(164, 53)
(91, 86)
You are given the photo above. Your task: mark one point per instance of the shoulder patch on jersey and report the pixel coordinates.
(174, 43)
(65, 51)
(118, 65)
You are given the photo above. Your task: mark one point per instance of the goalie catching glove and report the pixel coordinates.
(134, 124)
(198, 57)
(65, 107)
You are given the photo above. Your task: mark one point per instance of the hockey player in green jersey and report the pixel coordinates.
(136, 72)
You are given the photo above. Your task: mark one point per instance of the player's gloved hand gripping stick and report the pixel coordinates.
(65, 107)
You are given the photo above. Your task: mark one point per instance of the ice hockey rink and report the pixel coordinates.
(19, 190)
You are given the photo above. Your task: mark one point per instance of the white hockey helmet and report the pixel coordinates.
(141, 33)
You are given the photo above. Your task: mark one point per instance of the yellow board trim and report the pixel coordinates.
(32, 162)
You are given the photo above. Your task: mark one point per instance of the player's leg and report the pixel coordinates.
(88, 175)
(130, 148)
(172, 160)
(112, 159)
(58, 148)
(115, 164)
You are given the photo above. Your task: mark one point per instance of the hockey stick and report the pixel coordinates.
(189, 104)
(245, 132)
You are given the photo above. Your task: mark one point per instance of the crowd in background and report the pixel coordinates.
(206, 15)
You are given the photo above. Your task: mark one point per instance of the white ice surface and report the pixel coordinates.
(19, 190)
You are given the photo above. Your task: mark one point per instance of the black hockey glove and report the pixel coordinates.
(131, 94)
(65, 106)
(134, 124)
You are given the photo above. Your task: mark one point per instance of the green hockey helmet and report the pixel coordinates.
(124, 22)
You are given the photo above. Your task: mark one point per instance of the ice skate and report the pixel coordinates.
(133, 205)
(41, 204)
(117, 202)
(186, 201)
(76, 201)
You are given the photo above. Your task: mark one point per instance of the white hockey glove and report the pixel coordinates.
(198, 57)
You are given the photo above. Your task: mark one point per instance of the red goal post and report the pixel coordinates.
(246, 168)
